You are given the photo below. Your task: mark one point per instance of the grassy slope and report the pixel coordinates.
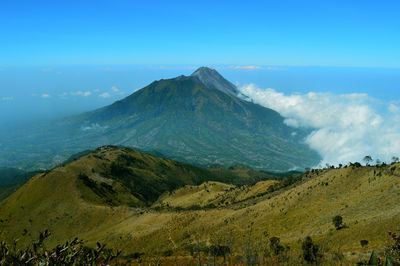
(212, 194)
(367, 198)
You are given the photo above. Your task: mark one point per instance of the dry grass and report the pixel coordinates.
(366, 198)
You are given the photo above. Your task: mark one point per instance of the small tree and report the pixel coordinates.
(219, 251)
(395, 159)
(275, 245)
(338, 222)
(367, 159)
(364, 243)
(310, 250)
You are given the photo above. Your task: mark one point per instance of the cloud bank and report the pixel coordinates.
(105, 95)
(81, 93)
(346, 127)
(252, 68)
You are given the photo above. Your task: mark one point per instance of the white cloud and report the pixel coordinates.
(347, 127)
(393, 108)
(76, 93)
(63, 95)
(246, 67)
(81, 93)
(252, 68)
(114, 89)
(7, 98)
(45, 95)
(95, 126)
(105, 95)
(275, 68)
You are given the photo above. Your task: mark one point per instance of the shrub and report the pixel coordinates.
(275, 245)
(364, 243)
(338, 222)
(71, 253)
(310, 250)
(219, 251)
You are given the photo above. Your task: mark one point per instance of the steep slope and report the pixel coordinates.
(195, 119)
(366, 198)
(212, 79)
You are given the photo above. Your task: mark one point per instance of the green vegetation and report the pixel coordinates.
(70, 253)
(364, 243)
(310, 251)
(367, 159)
(275, 245)
(338, 222)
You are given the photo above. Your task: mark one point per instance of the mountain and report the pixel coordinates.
(213, 80)
(153, 206)
(196, 119)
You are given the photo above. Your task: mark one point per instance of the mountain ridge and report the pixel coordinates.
(82, 199)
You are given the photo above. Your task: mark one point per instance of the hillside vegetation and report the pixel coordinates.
(143, 204)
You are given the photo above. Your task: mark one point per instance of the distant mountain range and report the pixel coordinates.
(200, 119)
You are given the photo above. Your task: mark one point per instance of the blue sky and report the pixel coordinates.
(323, 33)
(330, 65)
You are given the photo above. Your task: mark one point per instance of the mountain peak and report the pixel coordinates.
(205, 71)
(212, 79)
